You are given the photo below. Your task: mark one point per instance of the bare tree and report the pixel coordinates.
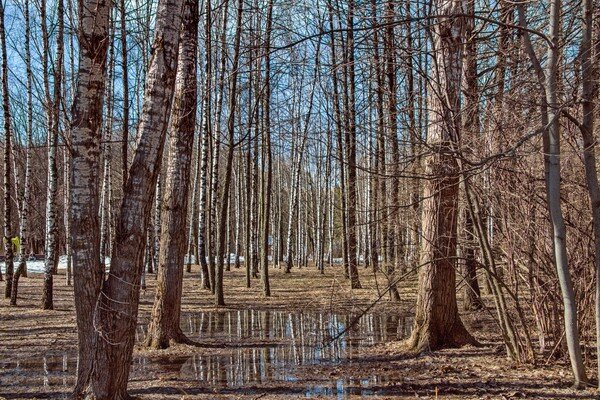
(437, 323)
(114, 318)
(86, 131)
(8, 234)
(164, 324)
(267, 155)
(219, 296)
(54, 128)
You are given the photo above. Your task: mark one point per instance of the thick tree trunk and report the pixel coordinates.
(115, 317)
(85, 141)
(437, 323)
(164, 324)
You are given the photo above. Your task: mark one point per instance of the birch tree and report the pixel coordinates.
(164, 324)
(51, 251)
(8, 234)
(93, 25)
(219, 295)
(25, 208)
(114, 320)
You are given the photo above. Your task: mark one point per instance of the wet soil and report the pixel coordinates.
(314, 338)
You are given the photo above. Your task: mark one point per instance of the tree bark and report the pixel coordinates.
(267, 155)
(125, 80)
(221, 249)
(206, 134)
(471, 130)
(86, 127)
(350, 148)
(589, 76)
(24, 221)
(552, 134)
(115, 317)
(437, 323)
(164, 324)
(8, 234)
(51, 261)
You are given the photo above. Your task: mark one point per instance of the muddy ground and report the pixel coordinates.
(37, 348)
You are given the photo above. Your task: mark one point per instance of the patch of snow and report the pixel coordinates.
(37, 266)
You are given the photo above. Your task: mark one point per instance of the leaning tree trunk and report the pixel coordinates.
(437, 323)
(85, 176)
(164, 324)
(115, 317)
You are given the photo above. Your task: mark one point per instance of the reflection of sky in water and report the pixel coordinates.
(271, 345)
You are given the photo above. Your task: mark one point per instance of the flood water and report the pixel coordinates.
(251, 349)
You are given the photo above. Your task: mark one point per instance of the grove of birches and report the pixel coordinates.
(445, 148)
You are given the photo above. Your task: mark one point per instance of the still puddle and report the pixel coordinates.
(252, 349)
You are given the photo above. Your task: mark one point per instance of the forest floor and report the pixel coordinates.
(272, 348)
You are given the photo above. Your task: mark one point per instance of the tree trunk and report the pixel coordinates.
(552, 134)
(589, 76)
(125, 80)
(51, 261)
(267, 155)
(206, 134)
(221, 250)
(164, 324)
(8, 234)
(437, 323)
(115, 318)
(352, 197)
(393, 222)
(24, 221)
(85, 197)
(471, 131)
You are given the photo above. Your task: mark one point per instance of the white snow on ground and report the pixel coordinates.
(37, 266)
